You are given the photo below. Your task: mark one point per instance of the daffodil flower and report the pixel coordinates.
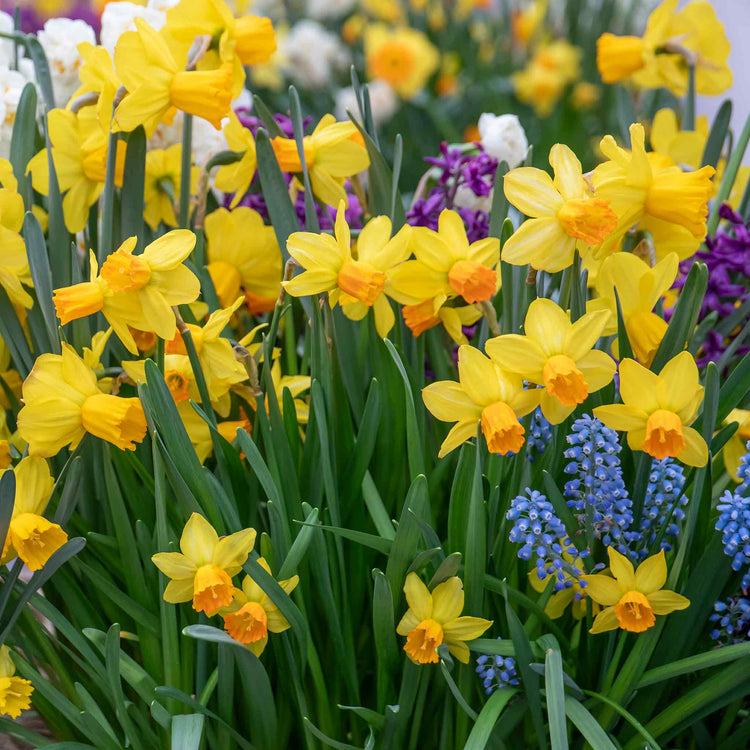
(435, 618)
(485, 396)
(30, 535)
(632, 598)
(162, 185)
(446, 264)
(178, 375)
(557, 355)
(62, 402)
(15, 692)
(243, 255)
(564, 214)
(736, 447)
(639, 288)
(657, 409)
(14, 265)
(357, 280)
(573, 593)
(252, 615)
(433, 312)
(202, 572)
(236, 178)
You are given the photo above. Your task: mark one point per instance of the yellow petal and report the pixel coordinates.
(316, 281)
(169, 250)
(174, 565)
(680, 378)
(459, 650)
(448, 402)
(598, 368)
(621, 417)
(584, 333)
(622, 568)
(605, 620)
(651, 574)
(603, 589)
(695, 452)
(198, 540)
(532, 192)
(568, 174)
(418, 596)
(547, 324)
(447, 600)
(459, 433)
(663, 602)
(407, 623)
(431, 249)
(559, 602)
(179, 590)
(639, 387)
(232, 550)
(518, 354)
(554, 412)
(542, 243)
(465, 628)
(478, 376)
(452, 231)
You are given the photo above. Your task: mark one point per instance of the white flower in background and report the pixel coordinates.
(118, 18)
(503, 137)
(466, 198)
(383, 102)
(59, 39)
(161, 5)
(12, 83)
(6, 45)
(322, 9)
(312, 55)
(207, 140)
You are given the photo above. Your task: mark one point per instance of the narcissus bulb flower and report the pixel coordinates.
(736, 447)
(236, 178)
(403, 57)
(653, 192)
(446, 264)
(563, 213)
(62, 402)
(243, 256)
(632, 598)
(31, 536)
(178, 375)
(557, 355)
(162, 185)
(252, 615)
(14, 265)
(422, 316)
(356, 279)
(333, 152)
(659, 58)
(136, 291)
(657, 409)
(202, 572)
(485, 396)
(15, 692)
(435, 618)
(573, 594)
(158, 84)
(639, 288)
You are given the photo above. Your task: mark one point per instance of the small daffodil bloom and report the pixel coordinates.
(435, 618)
(252, 615)
(15, 692)
(657, 409)
(485, 396)
(202, 572)
(632, 598)
(433, 312)
(557, 355)
(236, 178)
(736, 447)
(14, 264)
(573, 593)
(162, 185)
(564, 215)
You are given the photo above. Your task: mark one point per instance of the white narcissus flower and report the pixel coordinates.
(322, 9)
(503, 137)
(383, 102)
(312, 54)
(12, 83)
(6, 45)
(60, 39)
(119, 17)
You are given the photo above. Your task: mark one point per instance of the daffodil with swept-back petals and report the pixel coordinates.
(639, 288)
(236, 178)
(62, 402)
(202, 571)
(434, 618)
(30, 535)
(162, 185)
(632, 599)
(557, 355)
(656, 410)
(422, 316)
(446, 264)
(486, 396)
(356, 279)
(736, 447)
(136, 291)
(15, 692)
(153, 71)
(252, 615)
(651, 191)
(334, 151)
(243, 255)
(564, 215)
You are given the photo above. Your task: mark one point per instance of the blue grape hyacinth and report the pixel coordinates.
(732, 618)
(538, 437)
(734, 523)
(743, 472)
(496, 671)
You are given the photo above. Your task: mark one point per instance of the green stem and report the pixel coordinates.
(185, 170)
(106, 239)
(689, 119)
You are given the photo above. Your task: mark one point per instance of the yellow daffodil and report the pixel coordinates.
(659, 58)
(736, 447)
(92, 356)
(585, 95)
(403, 57)
(542, 82)
(527, 21)
(557, 355)
(446, 264)
(435, 618)
(657, 409)
(200, 433)
(15, 692)
(574, 594)
(333, 152)
(651, 191)
(296, 384)
(31, 536)
(252, 615)
(563, 213)
(162, 185)
(62, 402)
(422, 316)
(639, 288)
(632, 598)
(136, 291)
(357, 279)
(485, 396)
(10, 377)
(158, 83)
(96, 73)
(202, 572)
(14, 265)
(243, 256)
(236, 178)
(178, 375)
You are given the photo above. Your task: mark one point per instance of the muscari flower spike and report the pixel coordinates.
(598, 482)
(733, 618)
(734, 523)
(743, 472)
(543, 534)
(539, 436)
(496, 671)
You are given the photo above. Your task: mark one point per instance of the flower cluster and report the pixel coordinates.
(732, 618)
(496, 671)
(734, 524)
(540, 434)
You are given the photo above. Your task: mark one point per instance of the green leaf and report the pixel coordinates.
(299, 546)
(384, 632)
(628, 717)
(360, 537)
(718, 134)
(475, 543)
(14, 337)
(499, 209)
(588, 725)
(7, 500)
(733, 389)
(376, 508)
(23, 141)
(41, 66)
(554, 688)
(488, 716)
(268, 119)
(134, 179)
(187, 731)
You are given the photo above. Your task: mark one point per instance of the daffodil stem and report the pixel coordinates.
(490, 315)
(195, 364)
(106, 236)
(689, 119)
(614, 663)
(160, 354)
(290, 343)
(185, 170)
